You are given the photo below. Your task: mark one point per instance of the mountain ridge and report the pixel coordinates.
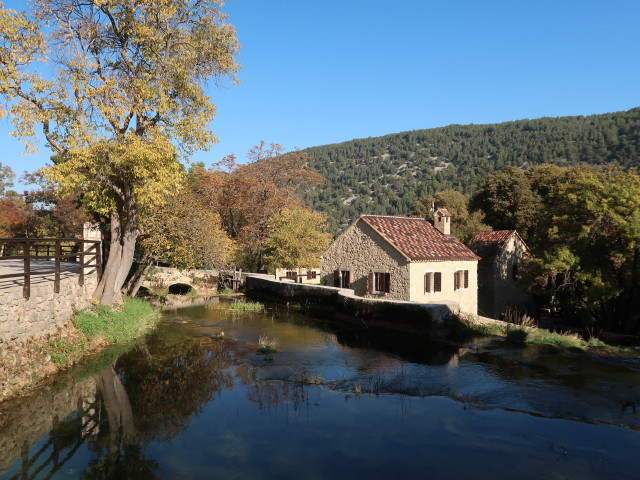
(386, 175)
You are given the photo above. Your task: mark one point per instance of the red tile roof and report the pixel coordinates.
(486, 243)
(418, 239)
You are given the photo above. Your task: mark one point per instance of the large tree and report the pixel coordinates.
(247, 196)
(582, 225)
(296, 238)
(117, 88)
(590, 262)
(186, 234)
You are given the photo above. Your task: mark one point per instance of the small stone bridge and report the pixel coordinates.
(181, 281)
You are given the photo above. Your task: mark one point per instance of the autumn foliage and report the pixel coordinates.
(186, 234)
(247, 196)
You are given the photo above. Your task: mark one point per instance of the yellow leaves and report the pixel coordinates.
(297, 237)
(148, 168)
(122, 65)
(186, 234)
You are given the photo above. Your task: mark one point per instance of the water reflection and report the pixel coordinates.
(329, 404)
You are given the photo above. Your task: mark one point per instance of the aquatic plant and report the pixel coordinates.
(267, 345)
(245, 306)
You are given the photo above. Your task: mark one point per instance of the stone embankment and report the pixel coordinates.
(44, 312)
(342, 304)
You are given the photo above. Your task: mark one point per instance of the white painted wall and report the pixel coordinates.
(467, 298)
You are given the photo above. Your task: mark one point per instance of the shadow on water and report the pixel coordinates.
(330, 402)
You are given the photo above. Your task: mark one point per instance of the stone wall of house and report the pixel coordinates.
(361, 249)
(466, 298)
(344, 306)
(506, 292)
(303, 275)
(44, 312)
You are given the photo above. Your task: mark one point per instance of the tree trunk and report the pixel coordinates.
(119, 411)
(139, 277)
(124, 233)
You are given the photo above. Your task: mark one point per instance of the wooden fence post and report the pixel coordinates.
(26, 288)
(81, 277)
(56, 282)
(98, 247)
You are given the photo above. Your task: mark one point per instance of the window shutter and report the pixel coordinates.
(456, 284)
(437, 282)
(427, 282)
(466, 279)
(347, 279)
(370, 282)
(387, 282)
(336, 278)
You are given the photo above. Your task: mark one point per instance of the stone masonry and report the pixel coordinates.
(44, 312)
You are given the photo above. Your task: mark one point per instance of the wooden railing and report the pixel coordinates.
(87, 254)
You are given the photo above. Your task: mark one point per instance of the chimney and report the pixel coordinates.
(442, 221)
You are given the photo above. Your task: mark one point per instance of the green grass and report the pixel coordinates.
(120, 324)
(522, 335)
(225, 291)
(65, 351)
(565, 340)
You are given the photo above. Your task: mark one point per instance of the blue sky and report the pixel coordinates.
(326, 72)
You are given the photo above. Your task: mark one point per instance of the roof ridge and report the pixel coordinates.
(392, 216)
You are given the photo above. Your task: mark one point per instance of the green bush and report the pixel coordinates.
(517, 336)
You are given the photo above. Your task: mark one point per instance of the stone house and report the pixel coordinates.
(501, 251)
(401, 258)
(299, 275)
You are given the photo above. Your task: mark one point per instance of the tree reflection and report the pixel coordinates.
(151, 394)
(129, 463)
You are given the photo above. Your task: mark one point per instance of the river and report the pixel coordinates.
(190, 402)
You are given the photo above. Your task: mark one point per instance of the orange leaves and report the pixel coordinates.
(246, 196)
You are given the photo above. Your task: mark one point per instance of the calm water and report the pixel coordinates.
(327, 405)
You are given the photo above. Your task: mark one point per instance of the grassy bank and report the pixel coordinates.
(23, 366)
(522, 335)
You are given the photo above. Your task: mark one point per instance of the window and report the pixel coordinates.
(342, 278)
(311, 274)
(432, 282)
(379, 281)
(292, 275)
(461, 279)
(514, 271)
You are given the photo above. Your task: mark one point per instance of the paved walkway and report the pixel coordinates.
(16, 266)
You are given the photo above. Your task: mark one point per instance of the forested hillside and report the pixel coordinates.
(387, 175)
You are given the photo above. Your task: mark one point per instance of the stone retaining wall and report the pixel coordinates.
(44, 312)
(343, 305)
